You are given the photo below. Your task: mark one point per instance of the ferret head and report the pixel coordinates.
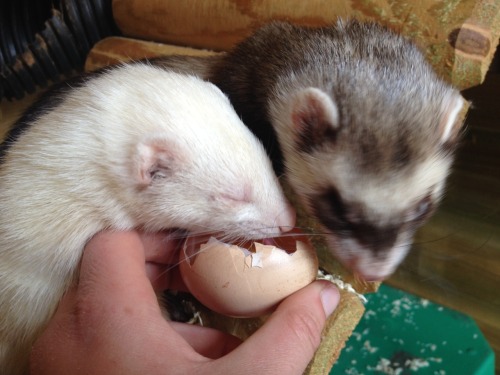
(368, 152)
(194, 165)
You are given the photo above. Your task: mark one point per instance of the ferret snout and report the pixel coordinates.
(364, 261)
(372, 277)
(372, 268)
(366, 267)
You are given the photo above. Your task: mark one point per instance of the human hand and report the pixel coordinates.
(111, 323)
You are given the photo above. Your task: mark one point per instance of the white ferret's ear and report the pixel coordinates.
(157, 157)
(315, 118)
(450, 124)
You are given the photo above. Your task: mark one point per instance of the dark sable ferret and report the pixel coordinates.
(357, 120)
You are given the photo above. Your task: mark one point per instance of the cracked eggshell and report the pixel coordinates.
(247, 280)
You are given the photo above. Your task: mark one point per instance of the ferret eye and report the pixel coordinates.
(422, 210)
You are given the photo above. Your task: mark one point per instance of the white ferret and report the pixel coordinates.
(130, 147)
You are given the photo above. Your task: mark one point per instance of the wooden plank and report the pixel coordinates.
(459, 37)
(113, 50)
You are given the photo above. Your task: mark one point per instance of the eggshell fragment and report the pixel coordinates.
(247, 280)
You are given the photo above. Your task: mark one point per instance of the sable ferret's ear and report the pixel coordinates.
(156, 157)
(315, 118)
(451, 122)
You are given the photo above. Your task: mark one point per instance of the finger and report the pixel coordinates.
(161, 247)
(287, 341)
(162, 256)
(101, 264)
(113, 310)
(116, 298)
(206, 341)
(56, 332)
(114, 265)
(165, 277)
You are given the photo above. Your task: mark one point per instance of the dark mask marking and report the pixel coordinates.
(333, 213)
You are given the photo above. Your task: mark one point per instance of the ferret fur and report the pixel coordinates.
(358, 121)
(130, 147)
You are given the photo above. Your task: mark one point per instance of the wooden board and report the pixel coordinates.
(113, 50)
(459, 37)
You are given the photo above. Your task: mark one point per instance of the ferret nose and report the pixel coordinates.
(353, 265)
(286, 219)
(372, 278)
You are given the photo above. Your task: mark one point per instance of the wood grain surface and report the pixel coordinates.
(459, 37)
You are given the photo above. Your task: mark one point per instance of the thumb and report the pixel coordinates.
(286, 343)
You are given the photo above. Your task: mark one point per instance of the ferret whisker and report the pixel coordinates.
(201, 237)
(485, 242)
(434, 240)
(450, 235)
(186, 258)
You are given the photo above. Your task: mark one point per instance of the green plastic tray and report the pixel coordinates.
(401, 334)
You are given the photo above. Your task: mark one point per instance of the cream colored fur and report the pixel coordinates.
(134, 147)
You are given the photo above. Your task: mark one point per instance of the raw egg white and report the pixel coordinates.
(247, 280)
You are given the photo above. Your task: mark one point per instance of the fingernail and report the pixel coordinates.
(329, 299)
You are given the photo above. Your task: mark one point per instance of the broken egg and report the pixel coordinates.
(248, 280)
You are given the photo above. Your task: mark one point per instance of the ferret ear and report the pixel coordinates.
(155, 158)
(451, 122)
(315, 118)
